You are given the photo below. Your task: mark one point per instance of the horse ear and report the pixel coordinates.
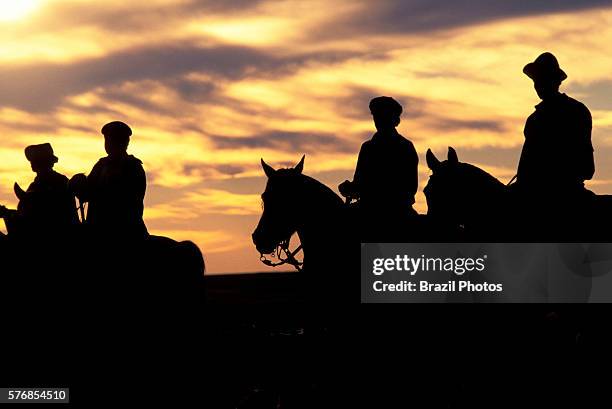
(300, 166)
(269, 170)
(452, 155)
(19, 192)
(432, 161)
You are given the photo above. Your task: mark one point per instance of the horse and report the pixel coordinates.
(329, 229)
(489, 211)
(465, 197)
(462, 195)
(97, 294)
(296, 203)
(78, 269)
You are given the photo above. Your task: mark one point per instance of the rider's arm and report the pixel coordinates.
(89, 185)
(140, 188)
(525, 161)
(587, 160)
(6, 212)
(3, 211)
(10, 217)
(362, 165)
(413, 170)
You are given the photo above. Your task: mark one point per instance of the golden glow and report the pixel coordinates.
(290, 70)
(11, 10)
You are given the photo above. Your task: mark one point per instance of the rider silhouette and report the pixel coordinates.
(47, 208)
(557, 154)
(556, 159)
(386, 176)
(115, 188)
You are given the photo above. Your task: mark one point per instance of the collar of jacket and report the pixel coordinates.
(120, 159)
(384, 135)
(552, 101)
(46, 176)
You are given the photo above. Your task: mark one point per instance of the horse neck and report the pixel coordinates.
(320, 216)
(486, 195)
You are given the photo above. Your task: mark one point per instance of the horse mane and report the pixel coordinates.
(314, 189)
(482, 191)
(326, 192)
(473, 171)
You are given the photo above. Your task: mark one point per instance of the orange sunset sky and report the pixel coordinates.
(210, 87)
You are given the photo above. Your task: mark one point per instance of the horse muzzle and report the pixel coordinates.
(263, 245)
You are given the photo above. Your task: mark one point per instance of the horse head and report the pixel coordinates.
(279, 219)
(441, 189)
(457, 192)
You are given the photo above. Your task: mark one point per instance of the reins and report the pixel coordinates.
(512, 180)
(288, 258)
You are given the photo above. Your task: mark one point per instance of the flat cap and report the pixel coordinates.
(385, 105)
(117, 128)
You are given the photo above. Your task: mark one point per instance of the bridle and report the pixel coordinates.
(288, 258)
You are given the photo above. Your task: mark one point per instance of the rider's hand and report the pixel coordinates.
(345, 188)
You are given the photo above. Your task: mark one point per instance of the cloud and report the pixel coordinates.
(596, 94)
(213, 171)
(42, 86)
(436, 115)
(441, 123)
(489, 157)
(296, 142)
(418, 16)
(210, 87)
(433, 114)
(212, 201)
(120, 16)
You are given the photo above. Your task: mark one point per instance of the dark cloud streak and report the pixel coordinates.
(297, 142)
(126, 18)
(596, 94)
(419, 16)
(41, 87)
(354, 104)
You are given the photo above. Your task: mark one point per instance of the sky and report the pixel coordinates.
(211, 87)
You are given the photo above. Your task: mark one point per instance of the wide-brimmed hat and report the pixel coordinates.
(40, 152)
(545, 66)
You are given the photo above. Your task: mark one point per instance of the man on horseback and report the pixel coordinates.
(47, 208)
(557, 155)
(386, 176)
(115, 189)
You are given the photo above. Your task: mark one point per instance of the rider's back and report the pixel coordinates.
(386, 173)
